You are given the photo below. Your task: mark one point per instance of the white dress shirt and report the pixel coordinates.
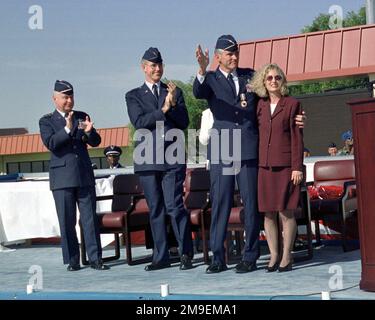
(67, 130)
(273, 107)
(149, 85)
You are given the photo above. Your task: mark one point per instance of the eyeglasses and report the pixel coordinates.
(277, 78)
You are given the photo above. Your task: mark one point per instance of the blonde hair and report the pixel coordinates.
(257, 83)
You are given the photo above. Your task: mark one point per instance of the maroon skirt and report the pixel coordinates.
(276, 192)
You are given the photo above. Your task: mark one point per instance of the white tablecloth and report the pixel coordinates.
(27, 210)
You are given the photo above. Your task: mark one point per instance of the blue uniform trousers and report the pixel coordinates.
(222, 193)
(66, 201)
(164, 195)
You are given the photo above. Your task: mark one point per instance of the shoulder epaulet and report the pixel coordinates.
(133, 90)
(48, 115)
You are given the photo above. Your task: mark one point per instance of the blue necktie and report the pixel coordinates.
(155, 91)
(232, 85)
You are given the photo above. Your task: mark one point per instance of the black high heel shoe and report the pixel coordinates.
(287, 268)
(273, 268)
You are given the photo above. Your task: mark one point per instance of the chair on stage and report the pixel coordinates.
(333, 197)
(303, 218)
(236, 227)
(196, 199)
(129, 214)
(197, 202)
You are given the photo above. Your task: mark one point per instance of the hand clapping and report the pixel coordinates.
(88, 124)
(171, 93)
(69, 120)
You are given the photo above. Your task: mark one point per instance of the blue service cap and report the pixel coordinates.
(112, 150)
(227, 42)
(332, 145)
(347, 135)
(152, 55)
(63, 86)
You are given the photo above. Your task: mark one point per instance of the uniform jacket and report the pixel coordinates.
(280, 139)
(70, 164)
(228, 112)
(117, 166)
(144, 111)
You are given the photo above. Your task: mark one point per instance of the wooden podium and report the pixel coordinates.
(363, 120)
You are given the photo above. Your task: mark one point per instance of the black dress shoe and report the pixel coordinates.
(157, 266)
(287, 268)
(186, 263)
(216, 268)
(73, 267)
(245, 266)
(99, 266)
(273, 268)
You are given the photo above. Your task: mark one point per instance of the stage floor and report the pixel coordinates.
(331, 269)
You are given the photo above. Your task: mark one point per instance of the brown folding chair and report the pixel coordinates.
(129, 214)
(303, 218)
(343, 208)
(196, 200)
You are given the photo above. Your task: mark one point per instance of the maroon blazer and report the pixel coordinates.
(280, 140)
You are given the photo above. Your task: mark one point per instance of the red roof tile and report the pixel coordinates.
(32, 143)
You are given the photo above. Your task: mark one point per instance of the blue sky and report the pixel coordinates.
(97, 46)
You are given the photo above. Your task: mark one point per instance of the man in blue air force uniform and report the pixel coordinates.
(161, 179)
(112, 154)
(233, 107)
(66, 134)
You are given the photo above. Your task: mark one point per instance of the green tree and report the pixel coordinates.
(355, 19)
(324, 86)
(321, 22)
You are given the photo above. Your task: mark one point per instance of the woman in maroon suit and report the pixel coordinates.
(280, 161)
